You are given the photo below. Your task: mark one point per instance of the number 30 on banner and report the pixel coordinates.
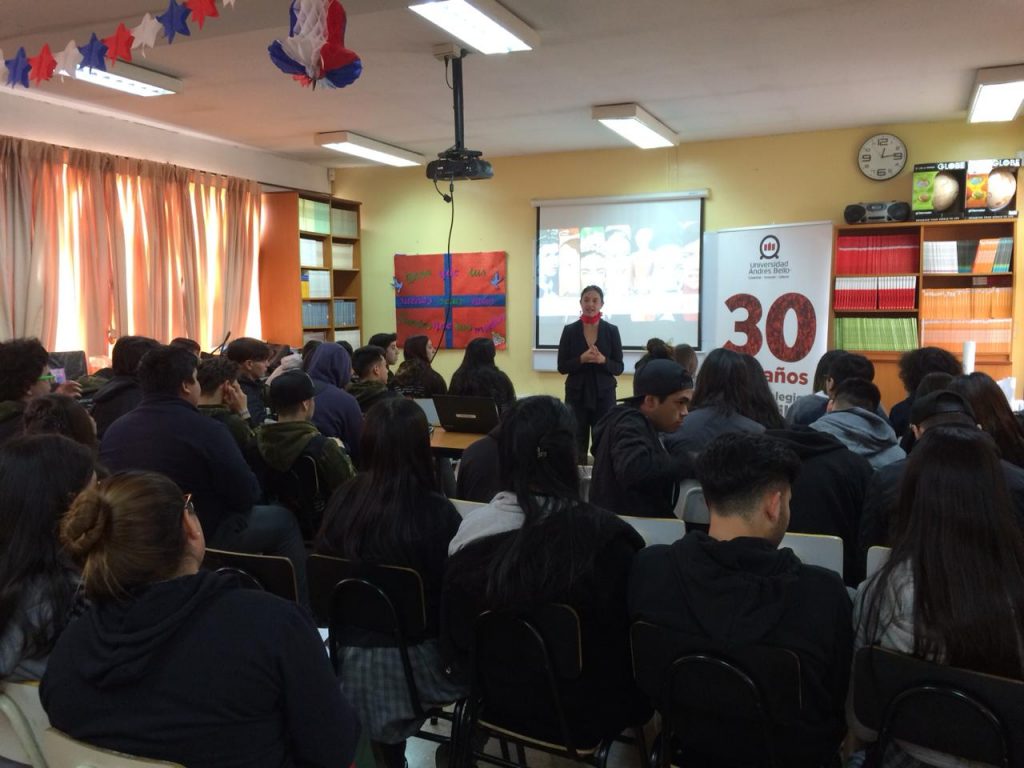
(806, 325)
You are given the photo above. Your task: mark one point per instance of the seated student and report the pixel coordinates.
(253, 358)
(167, 434)
(686, 356)
(537, 542)
(931, 382)
(914, 366)
(337, 412)
(222, 399)
(389, 343)
(282, 443)
(416, 378)
(24, 374)
(370, 365)
(656, 350)
(393, 513)
(764, 408)
(808, 408)
(992, 410)
(733, 587)
(952, 590)
(722, 402)
(940, 408)
(122, 392)
(39, 476)
(479, 477)
(60, 415)
(174, 663)
(478, 376)
(852, 418)
(848, 365)
(185, 343)
(633, 472)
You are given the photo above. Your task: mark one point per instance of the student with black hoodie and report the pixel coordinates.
(122, 393)
(733, 588)
(174, 663)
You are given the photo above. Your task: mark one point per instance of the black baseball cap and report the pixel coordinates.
(291, 388)
(936, 403)
(660, 378)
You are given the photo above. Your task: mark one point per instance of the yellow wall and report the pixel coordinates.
(766, 180)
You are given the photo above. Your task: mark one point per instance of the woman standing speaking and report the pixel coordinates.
(590, 354)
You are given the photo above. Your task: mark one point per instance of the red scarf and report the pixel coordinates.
(591, 320)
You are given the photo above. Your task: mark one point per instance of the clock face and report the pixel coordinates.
(882, 156)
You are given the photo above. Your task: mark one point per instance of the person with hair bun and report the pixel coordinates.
(39, 475)
(174, 663)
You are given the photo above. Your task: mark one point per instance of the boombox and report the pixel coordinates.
(862, 213)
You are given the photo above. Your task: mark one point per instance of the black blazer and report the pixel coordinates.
(579, 375)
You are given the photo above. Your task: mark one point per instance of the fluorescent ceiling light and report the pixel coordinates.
(129, 78)
(360, 146)
(482, 24)
(636, 124)
(998, 94)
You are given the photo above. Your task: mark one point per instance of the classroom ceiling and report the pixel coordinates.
(709, 69)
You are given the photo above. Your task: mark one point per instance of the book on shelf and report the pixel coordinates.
(344, 312)
(351, 335)
(882, 334)
(341, 255)
(893, 292)
(314, 216)
(314, 336)
(315, 314)
(877, 254)
(949, 317)
(344, 223)
(311, 252)
(315, 285)
(985, 256)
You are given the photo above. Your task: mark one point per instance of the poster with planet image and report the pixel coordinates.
(938, 190)
(992, 188)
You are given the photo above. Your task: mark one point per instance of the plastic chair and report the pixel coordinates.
(751, 691)
(691, 507)
(816, 549)
(271, 573)
(975, 716)
(877, 556)
(62, 751)
(657, 530)
(25, 723)
(464, 507)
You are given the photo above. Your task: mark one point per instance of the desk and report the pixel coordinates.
(451, 444)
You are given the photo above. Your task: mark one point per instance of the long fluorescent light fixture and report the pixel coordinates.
(483, 24)
(129, 78)
(998, 94)
(634, 123)
(360, 146)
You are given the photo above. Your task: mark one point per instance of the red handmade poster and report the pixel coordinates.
(452, 297)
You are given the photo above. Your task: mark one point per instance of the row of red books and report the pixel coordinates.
(895, 292)
(877, 254)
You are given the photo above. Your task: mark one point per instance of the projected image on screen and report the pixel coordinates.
(646, 256)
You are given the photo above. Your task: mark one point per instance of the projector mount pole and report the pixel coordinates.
(456, 61)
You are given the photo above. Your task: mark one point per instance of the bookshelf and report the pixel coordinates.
(310, 279)
(898, 286)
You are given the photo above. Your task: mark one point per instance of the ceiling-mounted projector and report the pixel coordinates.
(458, 163)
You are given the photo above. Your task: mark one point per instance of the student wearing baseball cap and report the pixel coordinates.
(633, 472)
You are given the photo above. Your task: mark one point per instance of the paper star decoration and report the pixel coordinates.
(68, 60)
(201, 9)
(17, 69)
(119, 44)
(145, 33)
(174, 20)
(93, 53)
(43, 65)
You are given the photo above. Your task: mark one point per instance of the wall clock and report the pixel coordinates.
(882, 156)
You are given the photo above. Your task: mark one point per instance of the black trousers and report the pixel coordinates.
(587, 417)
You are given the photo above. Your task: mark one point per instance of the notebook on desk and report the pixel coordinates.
(427, 405)
(478, 415)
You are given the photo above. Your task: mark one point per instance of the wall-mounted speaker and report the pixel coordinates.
(864, 213)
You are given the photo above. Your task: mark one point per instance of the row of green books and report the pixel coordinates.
(883, 334)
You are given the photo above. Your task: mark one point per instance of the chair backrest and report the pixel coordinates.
(464, 506)
(750, 691)
(817, 549)
(23, 723)
(273, 573)
(691, 506)
(974, 716)
(657, 530)
(62, 751)
(877, 556)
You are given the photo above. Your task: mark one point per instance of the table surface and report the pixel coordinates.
(452, 442)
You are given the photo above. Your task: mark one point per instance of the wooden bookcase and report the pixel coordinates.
(931, 286)
(310, 279)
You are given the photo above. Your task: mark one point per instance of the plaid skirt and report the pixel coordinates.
(373, 681)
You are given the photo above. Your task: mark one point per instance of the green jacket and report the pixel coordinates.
(369, 393)
(238, 426)
(280, 444)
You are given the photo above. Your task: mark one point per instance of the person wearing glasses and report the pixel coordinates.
(24, 374)
(175, 663)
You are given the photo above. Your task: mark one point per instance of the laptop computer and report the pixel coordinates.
(478, 415)
(427, 405)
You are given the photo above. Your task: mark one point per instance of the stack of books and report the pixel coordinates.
(314, 314)
(983, 315)
(877, 254)
(344, 223)
(344, 312)
(992, 337)
(882, 334)
(990, 255)
(314, 216)
(315, 285)
(895, 292)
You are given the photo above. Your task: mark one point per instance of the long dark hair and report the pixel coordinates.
(764, 408)
(993, 413)
(415, 347)
(724, 383)
(478, 376)
(376, 515)
(556, 543)
(955, 531)
(39, 477)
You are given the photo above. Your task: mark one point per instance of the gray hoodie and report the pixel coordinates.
(866, 434)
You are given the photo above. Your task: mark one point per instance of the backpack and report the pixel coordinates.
(298, 487)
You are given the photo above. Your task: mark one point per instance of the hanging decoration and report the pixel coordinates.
(314, 50)
(23, 69)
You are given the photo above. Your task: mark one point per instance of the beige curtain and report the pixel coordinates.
(154, 249)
